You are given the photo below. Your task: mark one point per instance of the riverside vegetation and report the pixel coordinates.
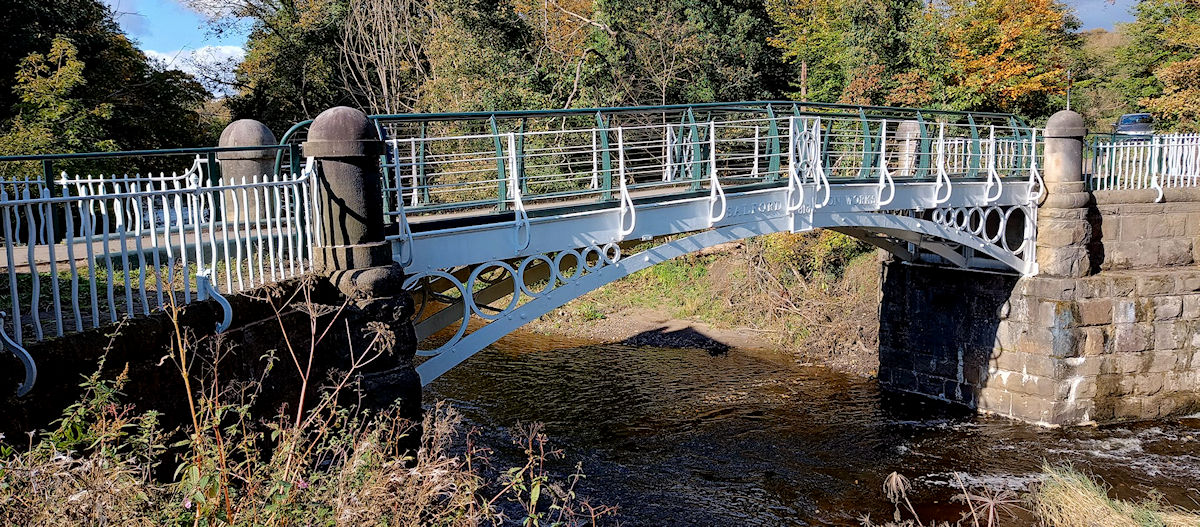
(329, 461)
(323, 460)
(814, 294)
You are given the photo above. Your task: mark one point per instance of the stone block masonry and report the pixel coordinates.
(1132, 231)
(1109, 330)
(1120, 345)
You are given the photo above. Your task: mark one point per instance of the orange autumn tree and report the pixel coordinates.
(1005, 55)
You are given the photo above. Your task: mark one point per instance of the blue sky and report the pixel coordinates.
(1102, 13)
(178, 36)
(166, 30)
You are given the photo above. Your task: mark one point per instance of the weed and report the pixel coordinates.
(324, 462)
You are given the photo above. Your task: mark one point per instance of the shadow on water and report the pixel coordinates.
(684, 436)
(686, 337)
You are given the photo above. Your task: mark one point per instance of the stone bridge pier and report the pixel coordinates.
(354, 256)
(1109, 329)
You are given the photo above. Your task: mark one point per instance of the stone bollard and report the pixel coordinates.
(246, 164)
(349, 187)
(355, 256)
(1063, 228)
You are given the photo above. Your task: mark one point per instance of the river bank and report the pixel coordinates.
(813, 296)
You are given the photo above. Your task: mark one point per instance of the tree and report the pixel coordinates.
(48, 119)
(1163, 59)
(148, 107)
(1005, 55)
(1098, 78)
(812, 34)
(1178, 108)
(292, 67)
(849, 51)
(383, 53)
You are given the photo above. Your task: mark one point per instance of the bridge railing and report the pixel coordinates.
(1155, 162)
(500, 162)
(83, 251)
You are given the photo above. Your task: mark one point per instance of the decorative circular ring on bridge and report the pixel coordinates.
(1021, 250)
(999, 215)
(616, 253)
(975, 221)
(471, 288)
(604, 256)
(588, 251)
(467, 309)
(525, 265)
(557, 269)
(960, 219)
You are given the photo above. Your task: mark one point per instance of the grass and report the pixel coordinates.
(814, 294)
(1064, 497)
(321, 459)
(1067, 497)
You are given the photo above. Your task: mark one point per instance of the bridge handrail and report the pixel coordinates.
(463, 166)
(1155, 162)
(148, 240)
(850, 110)
(202, 159)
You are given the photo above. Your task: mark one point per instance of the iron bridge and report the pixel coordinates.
(504, 217)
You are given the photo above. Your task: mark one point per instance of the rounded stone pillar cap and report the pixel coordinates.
(246, 132)
(342, 132)
(1066, 123)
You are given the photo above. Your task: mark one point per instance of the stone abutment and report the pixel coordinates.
(1109, 330)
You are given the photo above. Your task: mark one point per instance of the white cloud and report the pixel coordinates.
(129, 16)
(211, 65)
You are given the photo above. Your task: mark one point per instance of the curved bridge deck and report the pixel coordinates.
(532, 209)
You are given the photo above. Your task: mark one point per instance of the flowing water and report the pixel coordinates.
(685, 437)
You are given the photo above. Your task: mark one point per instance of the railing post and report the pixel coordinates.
(973, 165)
(925, 150)
(868, 158)
(519, 152)
(1063, 229)
(56, 212)
(501, 172)
(422, 182)
(605, 158)
(697, 152)
(773, 131)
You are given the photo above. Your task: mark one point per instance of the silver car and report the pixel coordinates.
(1134, 124)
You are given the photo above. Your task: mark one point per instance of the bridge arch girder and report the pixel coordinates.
(595, 267)
(1009, 240)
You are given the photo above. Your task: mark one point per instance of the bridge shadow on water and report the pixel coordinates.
(687, 337)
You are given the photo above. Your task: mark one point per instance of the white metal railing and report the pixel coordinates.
(453, 170)
(1153, 162)
(122, 246)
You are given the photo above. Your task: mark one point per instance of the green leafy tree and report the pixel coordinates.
(292, 68)
(813, 34)
(1097, 78)
(48, 118)
(1006, 55)
(146, 106)
(1163, 62)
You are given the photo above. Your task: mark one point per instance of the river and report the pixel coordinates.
(687, 437)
